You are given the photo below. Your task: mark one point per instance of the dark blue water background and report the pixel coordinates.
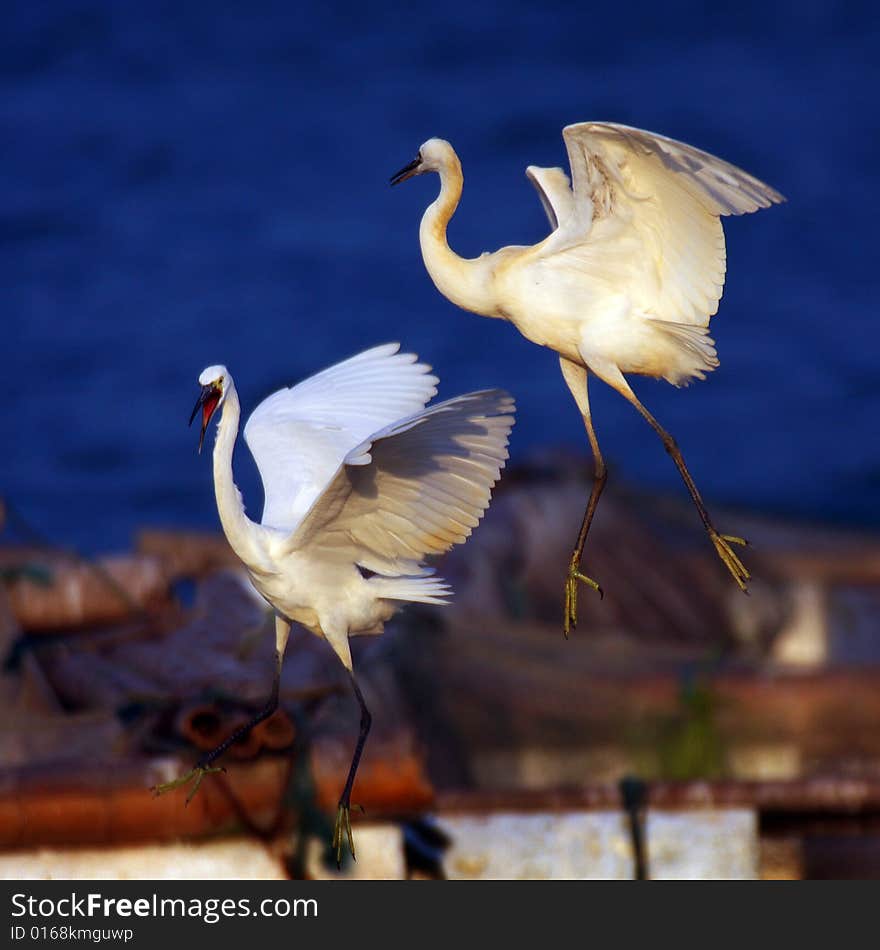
(190, 183)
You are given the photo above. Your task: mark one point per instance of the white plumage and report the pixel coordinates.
(413, 489)
(554, 190)
(626, 282)
(362, 484)
(359, 478)
(300, 436)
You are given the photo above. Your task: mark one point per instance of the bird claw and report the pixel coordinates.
(194, 775)
(733, 564)
(342, 832)
(571, 581)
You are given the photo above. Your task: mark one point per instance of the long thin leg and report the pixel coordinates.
(205, 764)
(243, 731)
(343, 815)
(721, 542)
(576, 379)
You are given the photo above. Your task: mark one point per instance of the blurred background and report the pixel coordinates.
(187, 184)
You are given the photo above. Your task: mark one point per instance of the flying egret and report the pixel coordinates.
(625, 283)
(361, 484)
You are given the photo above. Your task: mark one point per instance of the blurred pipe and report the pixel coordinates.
(205, 727)
(202, 726)
(277, 732)
(248, 746)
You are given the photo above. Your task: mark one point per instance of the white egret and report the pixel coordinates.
(625, 283)
(361, 484)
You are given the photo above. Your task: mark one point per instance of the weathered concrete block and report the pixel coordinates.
(703, 845)
(236, 859)
(578, 845)
(596, 845)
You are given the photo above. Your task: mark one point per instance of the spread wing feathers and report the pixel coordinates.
(647, 218)
(300, 436)
(427, 482)
(554, 190)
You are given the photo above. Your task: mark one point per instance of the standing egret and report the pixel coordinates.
(625, 283)
(361, 484)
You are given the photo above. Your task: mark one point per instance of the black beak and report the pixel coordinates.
(203, 395)
(407, 171)
(208, 392)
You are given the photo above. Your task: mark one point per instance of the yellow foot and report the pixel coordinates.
(571, 595)
(342, 832)
(733, 564)
(194, 775)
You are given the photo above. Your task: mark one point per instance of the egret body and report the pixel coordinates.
(625, 283)
(362, 483)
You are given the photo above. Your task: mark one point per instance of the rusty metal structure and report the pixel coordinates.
(116, 678)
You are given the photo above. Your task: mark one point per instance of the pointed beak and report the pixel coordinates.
(414, 168)
(207, 402)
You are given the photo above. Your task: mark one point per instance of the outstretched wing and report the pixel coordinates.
(300, 436)
(426, 486)
(647, 215)
(554, 190)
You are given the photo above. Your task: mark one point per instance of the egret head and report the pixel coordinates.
(434, 155)
(214, 382)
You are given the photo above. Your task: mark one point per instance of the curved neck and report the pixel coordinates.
(463, 281)
(237, 527)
